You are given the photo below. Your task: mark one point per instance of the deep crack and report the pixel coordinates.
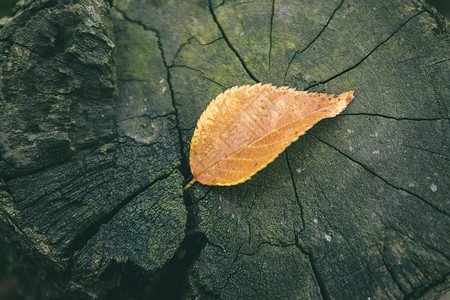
(270, 34)
(440, 155)
(380, 177)
(231, 267)
(298, 52)
(90, 231)
(231, 45)
(319, 280)
(391, 117)
(370, 53)
(317, 276)
(188, 41)
(173, 281)
(184, 167)
(295, 191)
(201, 72)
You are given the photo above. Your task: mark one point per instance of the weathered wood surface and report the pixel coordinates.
(99, 99)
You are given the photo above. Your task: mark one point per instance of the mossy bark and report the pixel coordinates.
(99, 99)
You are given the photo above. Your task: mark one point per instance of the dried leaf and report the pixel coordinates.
(245, 128)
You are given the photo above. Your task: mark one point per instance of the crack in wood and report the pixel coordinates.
(270, 33)
(187, 42)
(367, 55)
(30, 173)
(317, 276)
(184, 167)
(231, 267)
(380, 177)
(298, 52)
(440, 155)
(213, 14)
(291, 174)
(239, 253)
(220, 4)
(391, 117)
(424, 289)
(201, 72)
(91, 230)
(268, 243)
(171, 284)
(437, 62)
(332, 227)
(185, 263)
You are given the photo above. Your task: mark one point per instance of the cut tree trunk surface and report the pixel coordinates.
(98, 102)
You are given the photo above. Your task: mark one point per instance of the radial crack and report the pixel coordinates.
(270, 34)
(391, 117)
(295, 191)
(231, 267)
(188, 41)
(332, 227)
(184, 161)
(317, 276)
(129, 19)
(370, 53)
(200, 71)
(428, 151)
(81, 239)
(230, 45)
(380, 177)
(298, 52)
(437, 62)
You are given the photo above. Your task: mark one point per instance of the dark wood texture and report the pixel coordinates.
(98, 102)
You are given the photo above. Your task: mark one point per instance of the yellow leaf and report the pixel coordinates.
(245, 128)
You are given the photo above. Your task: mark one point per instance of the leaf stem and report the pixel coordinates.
(189, 184)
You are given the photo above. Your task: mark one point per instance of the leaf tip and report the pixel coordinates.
(349, 97)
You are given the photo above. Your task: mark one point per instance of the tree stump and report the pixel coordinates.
(99, 99)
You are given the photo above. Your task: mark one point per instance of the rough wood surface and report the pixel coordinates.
(98, 102)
